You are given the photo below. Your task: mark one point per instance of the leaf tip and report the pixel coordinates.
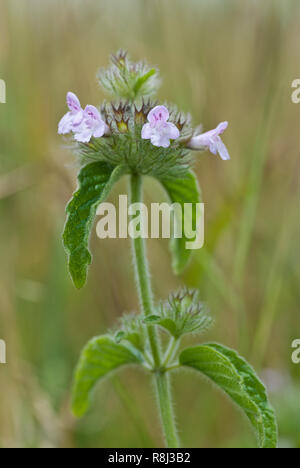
(178, 267)
(78, 277)
(79, 408)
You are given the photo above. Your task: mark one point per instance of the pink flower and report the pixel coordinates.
(211, 140)
(73, 118)
(158, 130)
(92, 125)
(85, 124)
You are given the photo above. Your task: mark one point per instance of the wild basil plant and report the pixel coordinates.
(133, 135)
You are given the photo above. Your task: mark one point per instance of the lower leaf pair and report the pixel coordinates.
(223, 366)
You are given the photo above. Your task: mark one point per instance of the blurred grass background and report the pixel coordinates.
(220, 60)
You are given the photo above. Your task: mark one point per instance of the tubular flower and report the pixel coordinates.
(92, 125)
(73, 118)
(211, 140)
(158, 129)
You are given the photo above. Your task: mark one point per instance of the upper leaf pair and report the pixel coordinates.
(95, 182)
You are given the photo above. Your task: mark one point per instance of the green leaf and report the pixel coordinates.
(152, 319)
(101, 356)
(237, 378)
(132, 330)
(185, 190)
(142, 80)
(119, 336)
(95, 182)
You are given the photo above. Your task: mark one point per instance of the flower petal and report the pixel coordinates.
(215, 132)
(222, 150)
(173, 131)
(99, 130)
(221, 127)
(77, 118)
(92, 113)
(147, 131)
(213, 145)
(158, 114)
(84, 134)
(160, 140)
(66, 124)
(73, 102)
(199, 142)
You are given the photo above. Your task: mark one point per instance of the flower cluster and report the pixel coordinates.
(155, 123)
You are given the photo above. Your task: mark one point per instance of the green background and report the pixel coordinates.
(221, 60)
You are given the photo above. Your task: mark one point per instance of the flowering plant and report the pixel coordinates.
(133, 135)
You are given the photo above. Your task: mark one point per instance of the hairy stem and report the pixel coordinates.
(166, 409)
(143, 275)
(146, 300)
(173, 346)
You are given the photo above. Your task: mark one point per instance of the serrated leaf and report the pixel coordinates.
(237, 378)
(184, 190)
(95, 182)
(100, 357)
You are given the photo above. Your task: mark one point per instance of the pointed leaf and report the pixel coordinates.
(185, 190)
(237, 378)
(100, 357)
(142, 80)
(95, 182)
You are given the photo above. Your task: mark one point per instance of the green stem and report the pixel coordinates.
(173, 346)
(167, 416)
(146, 300)
(173, 367)
(143, 275)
